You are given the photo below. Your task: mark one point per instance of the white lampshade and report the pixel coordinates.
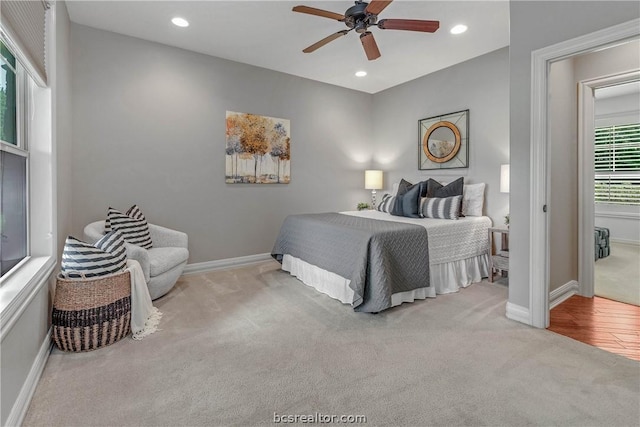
(373, 180)
(504, 178)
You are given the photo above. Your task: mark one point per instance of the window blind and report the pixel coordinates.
(617, 164)
(25, 24)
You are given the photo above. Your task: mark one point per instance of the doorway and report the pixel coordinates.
(539, 169)
(617, 177)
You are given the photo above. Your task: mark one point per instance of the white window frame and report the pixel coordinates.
(21, 148)
(19, 286)
(631, 175)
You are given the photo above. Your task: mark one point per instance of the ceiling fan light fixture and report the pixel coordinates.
(458, 29)
(361, 27)
(361, 73)
(179, 22)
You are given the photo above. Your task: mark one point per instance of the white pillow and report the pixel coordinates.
(473, 199)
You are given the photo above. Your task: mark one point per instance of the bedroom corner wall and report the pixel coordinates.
(480, 85)
(561, 20)
(149, 128)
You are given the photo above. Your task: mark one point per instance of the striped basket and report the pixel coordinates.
(91, 313)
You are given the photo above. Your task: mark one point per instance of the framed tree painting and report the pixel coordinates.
(258, 149)
(444, 141)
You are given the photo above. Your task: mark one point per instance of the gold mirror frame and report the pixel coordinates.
(456, 147)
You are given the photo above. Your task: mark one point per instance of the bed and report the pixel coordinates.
(442, 255)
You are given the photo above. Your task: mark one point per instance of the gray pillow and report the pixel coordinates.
(435, 189)
(396, 203)
(407, 202)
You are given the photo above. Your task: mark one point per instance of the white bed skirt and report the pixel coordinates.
(445, 278)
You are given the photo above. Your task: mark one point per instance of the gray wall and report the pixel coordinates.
(149, 128)
(563, 170)
(480, 85)
(534, 25)
(62, 125)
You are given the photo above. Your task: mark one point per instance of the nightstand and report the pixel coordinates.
(499, 260)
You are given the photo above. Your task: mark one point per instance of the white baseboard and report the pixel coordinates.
(563, 293)
(519, 313)
(21, 404)
(625, 241)
(203, 267)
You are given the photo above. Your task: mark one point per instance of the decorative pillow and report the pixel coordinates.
(403, 186)
(386, 203)
(435, 189)
(134, 230)
(407, 200)
(107, 256)
(473, 199)
(411, 201)
(442, 208)
(134, 212)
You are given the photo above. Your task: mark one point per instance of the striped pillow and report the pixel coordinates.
(135, 230)
(134, 212)
(441, 208)
(386, 204)
(107, 256)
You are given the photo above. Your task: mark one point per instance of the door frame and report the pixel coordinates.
(541, 61)
(586, 174)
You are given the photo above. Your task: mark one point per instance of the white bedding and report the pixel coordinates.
(458, 256)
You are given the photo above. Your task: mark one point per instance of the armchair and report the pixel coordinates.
(162, 265)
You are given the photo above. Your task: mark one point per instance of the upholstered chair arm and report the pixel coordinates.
(141, 255)
(163, 237)
(94, 232)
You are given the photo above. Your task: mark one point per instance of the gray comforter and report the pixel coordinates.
(380, 258)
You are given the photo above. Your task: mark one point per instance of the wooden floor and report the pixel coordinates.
(610, 325)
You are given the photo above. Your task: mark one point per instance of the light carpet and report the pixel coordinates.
(617, 277)
(236, 346)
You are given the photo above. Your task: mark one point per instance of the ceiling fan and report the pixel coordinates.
(360, 17)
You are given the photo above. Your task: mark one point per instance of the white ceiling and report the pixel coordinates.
(268, 34)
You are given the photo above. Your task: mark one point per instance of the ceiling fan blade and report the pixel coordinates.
(325, 40)
(409, 25)
(377, 6)
(370, 46)
(318, 12)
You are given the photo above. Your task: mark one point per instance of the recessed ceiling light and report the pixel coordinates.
(180, 22)
(459, 29)
(361, 73)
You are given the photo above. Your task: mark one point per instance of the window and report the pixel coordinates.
(14, 159)
(617, 164)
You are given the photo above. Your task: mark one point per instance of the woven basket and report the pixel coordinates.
(91, 313)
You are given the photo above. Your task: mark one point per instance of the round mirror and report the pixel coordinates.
(441, 142)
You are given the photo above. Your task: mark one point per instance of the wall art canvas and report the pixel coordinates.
(444, 141)
(258, 149)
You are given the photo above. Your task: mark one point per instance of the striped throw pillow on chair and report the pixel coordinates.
(133, 226)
